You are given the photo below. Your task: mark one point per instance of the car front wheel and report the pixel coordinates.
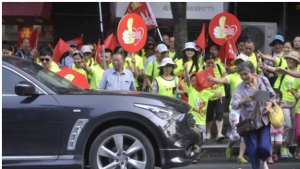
(121, 147)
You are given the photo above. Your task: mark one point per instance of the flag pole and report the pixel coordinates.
(159, 33)
(102, 35)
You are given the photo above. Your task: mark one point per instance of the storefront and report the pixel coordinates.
(20, 19)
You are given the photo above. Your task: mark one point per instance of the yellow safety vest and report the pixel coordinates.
(166, 87)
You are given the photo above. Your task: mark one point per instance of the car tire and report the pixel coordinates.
(121, 147)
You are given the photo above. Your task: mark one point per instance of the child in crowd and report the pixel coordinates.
(276, 134)
(198, 101)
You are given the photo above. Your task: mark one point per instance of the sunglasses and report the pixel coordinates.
(190, 50)
(163, 53)
(44, 59)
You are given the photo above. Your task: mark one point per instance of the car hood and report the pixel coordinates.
(136, 96)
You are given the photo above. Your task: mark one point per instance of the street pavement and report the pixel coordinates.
(218, 162)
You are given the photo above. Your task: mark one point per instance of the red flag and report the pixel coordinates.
(180, 86)
(227, 53)
(98, 52)
(111, 42)
(201, 39)
(60, 48)
(144, 10)
(206, 40)
(34, 37)
(78, 41)
(201, 79)
(74, 76)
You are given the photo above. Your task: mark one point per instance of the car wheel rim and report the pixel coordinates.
(121, 151)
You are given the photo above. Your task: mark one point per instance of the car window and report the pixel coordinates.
(52, 80)
(8, 84)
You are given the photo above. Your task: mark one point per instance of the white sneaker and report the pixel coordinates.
(207, 136)
(220, 137)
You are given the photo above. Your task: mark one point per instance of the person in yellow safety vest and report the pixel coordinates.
(215, 105)
(98, 70)
(284, 84)
(234, 116)
(88, 58)
(152, 71)
(45, 58)
(191, 57)
(79, 65)
(167, 83)
(198, 101)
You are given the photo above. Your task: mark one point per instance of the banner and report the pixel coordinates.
(144, 10)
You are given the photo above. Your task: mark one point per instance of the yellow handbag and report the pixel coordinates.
(276, 117)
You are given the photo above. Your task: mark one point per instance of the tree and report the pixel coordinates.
(180, 26)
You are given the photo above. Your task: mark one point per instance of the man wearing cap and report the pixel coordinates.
(152, 70)
(148, 50)
(87, 55)
(68, 61)
(233, 80)
(117, 78)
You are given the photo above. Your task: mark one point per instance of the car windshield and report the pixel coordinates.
(52, 80)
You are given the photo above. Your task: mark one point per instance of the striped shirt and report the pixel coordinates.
(111, 80)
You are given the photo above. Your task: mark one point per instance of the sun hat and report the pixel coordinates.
(277, 38)
(166, 61)
(293, 55)
(86, 49)
(190, 45)
(243, 57)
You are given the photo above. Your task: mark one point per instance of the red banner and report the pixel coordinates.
(224, 26)
(24, 32)
(74, 76)
(144, 10)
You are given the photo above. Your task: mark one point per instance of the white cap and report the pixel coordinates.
(190, 45)
(162, 48)
(86, 49)
(243, 57)
(166, 61)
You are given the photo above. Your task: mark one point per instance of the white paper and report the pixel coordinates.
(260, 95)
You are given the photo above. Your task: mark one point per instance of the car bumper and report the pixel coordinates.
(184, 142)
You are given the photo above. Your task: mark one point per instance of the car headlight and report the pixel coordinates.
(160, 112)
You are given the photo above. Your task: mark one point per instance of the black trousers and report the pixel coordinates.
(215, 106)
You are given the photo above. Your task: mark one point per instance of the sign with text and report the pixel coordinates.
(24, 32)
(132, 32)
(223, 27)
(194, 10)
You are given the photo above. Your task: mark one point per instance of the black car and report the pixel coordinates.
(49, 122)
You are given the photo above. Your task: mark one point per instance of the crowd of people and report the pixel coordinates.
(158, 69)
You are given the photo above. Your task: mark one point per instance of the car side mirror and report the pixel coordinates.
(24, 88)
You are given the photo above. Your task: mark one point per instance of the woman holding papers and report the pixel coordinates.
(258, 142)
